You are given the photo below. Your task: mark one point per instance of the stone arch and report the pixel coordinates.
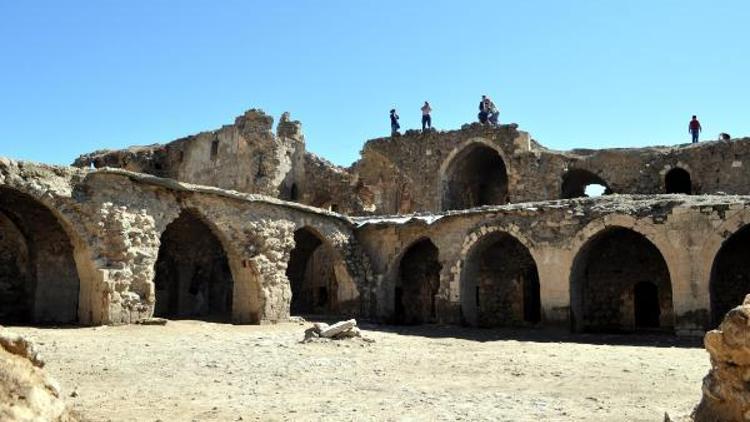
(474, 174)
(40, 260)
(605, 273)
(499, 281)
(575, 182)
(730, 274)
(418, 283)
(193, 276)
(677, 180)
(320, 281)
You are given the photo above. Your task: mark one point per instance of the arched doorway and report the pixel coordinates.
(418, 283)
(578, 183)
(193, 278)
(38, 276)
(677, 180)
(312, 275)
(730, 274)
(476, 176)
(620, 282)
(500, 283)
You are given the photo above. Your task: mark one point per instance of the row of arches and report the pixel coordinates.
(619, 282)
(619, 279)
(40, 281)
(477, 175)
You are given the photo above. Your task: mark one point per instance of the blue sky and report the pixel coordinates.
(77, 76)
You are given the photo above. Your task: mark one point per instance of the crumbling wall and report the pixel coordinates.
(245, 156)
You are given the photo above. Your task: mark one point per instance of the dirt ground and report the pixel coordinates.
(191, 370)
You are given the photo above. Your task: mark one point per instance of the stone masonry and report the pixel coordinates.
(479, 226)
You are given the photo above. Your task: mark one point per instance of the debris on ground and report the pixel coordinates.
(320, 331)
(152, 321)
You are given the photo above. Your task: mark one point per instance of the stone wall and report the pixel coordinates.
(245, 156)
(684, 233)
(112, 226)
(428, 171)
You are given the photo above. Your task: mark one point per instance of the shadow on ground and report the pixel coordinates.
(537, 335)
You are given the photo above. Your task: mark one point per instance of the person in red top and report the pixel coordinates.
(695, 128)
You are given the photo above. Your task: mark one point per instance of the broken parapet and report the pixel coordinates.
(726, 388)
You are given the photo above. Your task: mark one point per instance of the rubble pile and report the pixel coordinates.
(339, 331)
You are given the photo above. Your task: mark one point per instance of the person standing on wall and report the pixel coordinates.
(695, 128)
(426, 118)
(394, 123)
(483, 110)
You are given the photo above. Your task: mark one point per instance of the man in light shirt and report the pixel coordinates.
(426, 118)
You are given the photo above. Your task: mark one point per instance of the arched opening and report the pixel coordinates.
(294, 192)
(579, 183)
(38, 276)
(620, 282)
(500, 284)
(312, 275)
(193, 278)
(646, 305)
(418, 283)
(677, 180)
(477, 176)
(730, 274)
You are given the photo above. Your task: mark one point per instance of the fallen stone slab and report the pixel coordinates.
(338, 328)
(320, 327)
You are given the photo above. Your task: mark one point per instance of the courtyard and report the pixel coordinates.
(202, 371)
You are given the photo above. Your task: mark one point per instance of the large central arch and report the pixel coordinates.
(620, 282)
(39, 281)
(193, 277)
(418, 283)
(730, 274)
(500, 283)
(475, 176)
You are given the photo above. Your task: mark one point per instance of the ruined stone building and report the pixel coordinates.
(480, 226)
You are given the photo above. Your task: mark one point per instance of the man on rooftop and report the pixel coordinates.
(694, 127)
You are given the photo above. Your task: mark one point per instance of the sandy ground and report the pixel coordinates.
(191, 370)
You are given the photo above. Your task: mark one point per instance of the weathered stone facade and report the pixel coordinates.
(114, 227)
(432, 171)
(101, 246)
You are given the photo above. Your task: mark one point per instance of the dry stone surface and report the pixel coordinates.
(27, 393)
(726, 388)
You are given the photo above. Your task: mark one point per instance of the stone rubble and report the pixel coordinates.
(726, 388)
(27, 393)
(320, 331)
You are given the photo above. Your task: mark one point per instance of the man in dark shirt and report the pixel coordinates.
(394, 123)
(695, 128)
(483, 112)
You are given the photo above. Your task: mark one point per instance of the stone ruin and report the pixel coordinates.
(481, 226)
(726, 392)
(27, 393)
